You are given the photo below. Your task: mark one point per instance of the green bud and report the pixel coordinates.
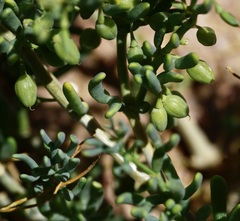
(201, 73)
(26, 90)
(175, 106)
(206, 36)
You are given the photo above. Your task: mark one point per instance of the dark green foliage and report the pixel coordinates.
(144, 175)
(56, 167)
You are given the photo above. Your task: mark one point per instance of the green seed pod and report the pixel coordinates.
(158, 118)
(65, 47)
(201, 73)
(175, 106)
(26, 90)
(107, 28)
(89, 39)
(229, 18)
(206, 36)
(187, 61)
(135, 53)
(75, 102)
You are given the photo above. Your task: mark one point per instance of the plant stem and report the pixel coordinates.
(133, 117)
(89, 122)
(121, 62)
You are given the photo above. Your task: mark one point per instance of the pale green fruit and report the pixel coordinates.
(201, 73)
(26, 90)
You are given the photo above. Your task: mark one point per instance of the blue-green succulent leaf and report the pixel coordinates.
(96, 89)
(26, 159)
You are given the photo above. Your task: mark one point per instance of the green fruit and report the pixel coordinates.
(206, 36)
(65, 47)
(229, 18)
(89, 39)
(107, 28)
(159, 118)
(135, 53)
(26, 90)
(175, 106)
(201, 73)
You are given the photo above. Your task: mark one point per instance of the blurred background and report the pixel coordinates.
(210, 136)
